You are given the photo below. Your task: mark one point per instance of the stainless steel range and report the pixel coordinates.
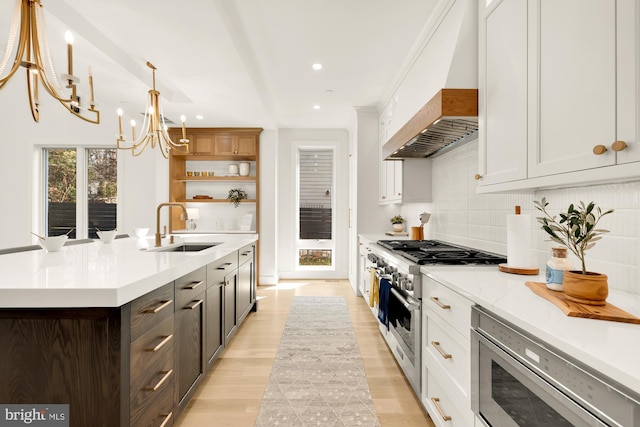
(400, 307)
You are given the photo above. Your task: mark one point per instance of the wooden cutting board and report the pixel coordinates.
(574, 309)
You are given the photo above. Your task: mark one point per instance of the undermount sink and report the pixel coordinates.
(185, 247)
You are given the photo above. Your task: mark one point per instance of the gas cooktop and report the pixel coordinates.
(437, 252)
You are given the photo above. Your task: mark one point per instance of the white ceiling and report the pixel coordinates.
(241, 62)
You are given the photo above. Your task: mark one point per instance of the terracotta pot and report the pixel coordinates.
(591, 288)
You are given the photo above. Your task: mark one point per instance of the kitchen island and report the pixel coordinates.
(120, 332)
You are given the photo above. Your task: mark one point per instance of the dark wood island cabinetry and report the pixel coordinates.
(133, 365)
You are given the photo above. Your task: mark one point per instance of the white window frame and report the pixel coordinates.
(324, 244)
(82, 189)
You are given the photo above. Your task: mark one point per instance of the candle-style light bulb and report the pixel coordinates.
(91, 100)
(69, 39)
(183, 119)
(133, 129)
(120, 120)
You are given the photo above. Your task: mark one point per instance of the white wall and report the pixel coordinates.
(479, 220)
(286, 238)
(268, 207)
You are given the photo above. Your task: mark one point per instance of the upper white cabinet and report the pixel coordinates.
(559, 85)
(572, 105)
(503, 102)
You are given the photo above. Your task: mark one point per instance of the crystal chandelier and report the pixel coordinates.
(32, 52)
(154, 129)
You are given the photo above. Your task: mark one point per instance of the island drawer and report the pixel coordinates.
(245, 254)
(152, 397)
(189, 286)
(151, 347)
(151, 309)
(220, 268)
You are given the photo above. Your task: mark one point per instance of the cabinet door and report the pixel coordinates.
(223, 145)
(628, 56)
(230, 306)
(503, 94)
(201, 144)
(246, 145)
(214, 311)
(190, 351)
(390, 181)
(572, 103)
(244, 290)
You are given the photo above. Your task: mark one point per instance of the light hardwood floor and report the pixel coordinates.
(232, 391)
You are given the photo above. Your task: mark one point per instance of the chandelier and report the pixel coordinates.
(154, 129)
(32, 53)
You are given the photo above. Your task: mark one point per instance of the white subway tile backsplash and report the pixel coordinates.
(460, 215)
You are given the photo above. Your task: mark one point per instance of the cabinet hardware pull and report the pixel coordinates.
(436, 344)
(599, 149)
(384, 197)
(194, 285)
(441, 305)
(165, 377)
(436, 403)
(167, 417)
(618, 146)
(161, 343)
(246, 253)
(477, 177)
(160, 307)
(224, 266)
(194, 305)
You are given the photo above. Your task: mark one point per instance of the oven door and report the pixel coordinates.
(404, 313)
(505, 393)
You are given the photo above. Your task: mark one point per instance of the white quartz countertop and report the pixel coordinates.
(103, 275)
(611, 348)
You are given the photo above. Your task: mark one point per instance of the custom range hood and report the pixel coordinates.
(450, 117)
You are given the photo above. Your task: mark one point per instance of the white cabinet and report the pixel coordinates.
(390, 181)
(559, 85)
(573, 99)
(446, 384)
(503, 100)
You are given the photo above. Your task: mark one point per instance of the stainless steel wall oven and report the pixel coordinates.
(519, 381)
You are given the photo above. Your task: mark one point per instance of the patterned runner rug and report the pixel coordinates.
(318, 377)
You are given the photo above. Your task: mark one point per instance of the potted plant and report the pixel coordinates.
(577, 230)
(235, 195)
(398, 223)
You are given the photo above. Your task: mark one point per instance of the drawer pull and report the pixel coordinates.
(224, 266)
(165, 377)
(160, 307)
(436, 344)
(436, 403)
(167, 418)
(246, 253)
(194, 285)
(194, 305)
(441, 305)
(161, 343)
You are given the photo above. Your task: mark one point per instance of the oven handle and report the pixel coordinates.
(410, 303)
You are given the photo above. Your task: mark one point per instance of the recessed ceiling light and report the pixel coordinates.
(316, 107)
(317, 66)
(199, 117)
(329, 91)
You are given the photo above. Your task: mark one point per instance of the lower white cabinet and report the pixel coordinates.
(446, 363)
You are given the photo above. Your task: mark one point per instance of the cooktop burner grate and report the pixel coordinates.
(436, 252)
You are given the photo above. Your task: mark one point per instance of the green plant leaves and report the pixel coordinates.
(576, 228)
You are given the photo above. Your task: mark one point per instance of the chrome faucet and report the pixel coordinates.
(158, 235)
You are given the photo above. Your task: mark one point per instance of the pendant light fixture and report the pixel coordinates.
(154, 129)
(32, 53)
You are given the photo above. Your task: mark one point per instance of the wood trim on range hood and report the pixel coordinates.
(449, 117)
